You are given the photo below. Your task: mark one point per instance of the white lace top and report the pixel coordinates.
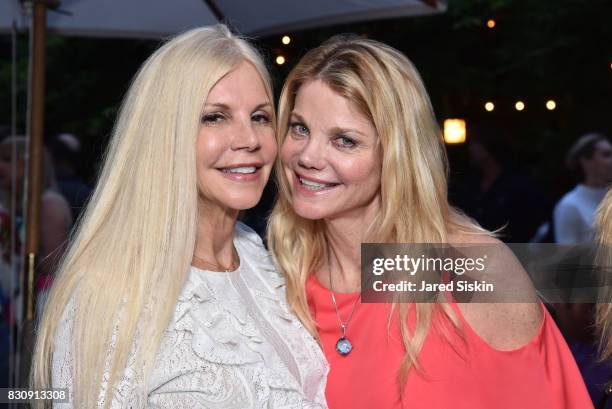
(232, 344)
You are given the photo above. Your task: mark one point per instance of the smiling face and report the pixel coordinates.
(236, 145)
(330, 156)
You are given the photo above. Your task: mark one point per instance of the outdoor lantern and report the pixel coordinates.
(454, 131)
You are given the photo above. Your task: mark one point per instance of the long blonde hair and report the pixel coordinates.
(386, 88)
(603, 315)
(129, 259)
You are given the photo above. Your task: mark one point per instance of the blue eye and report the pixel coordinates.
(344, 142)
(212, 118)
(298, 128)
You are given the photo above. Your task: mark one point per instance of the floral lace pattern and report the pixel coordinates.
(231, 344)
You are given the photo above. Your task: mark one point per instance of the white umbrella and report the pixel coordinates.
(155, 19)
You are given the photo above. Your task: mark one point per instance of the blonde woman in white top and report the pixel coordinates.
(163, 299)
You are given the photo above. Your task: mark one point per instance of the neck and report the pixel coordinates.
(596, 182)
(215, 234)
(344, 237)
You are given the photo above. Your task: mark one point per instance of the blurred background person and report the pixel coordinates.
(5, 304)
(65, 151)
(591, 158)
(500, 195)
(55, 223)
(55, 216)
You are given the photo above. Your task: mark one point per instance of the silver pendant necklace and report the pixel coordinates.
(343, 346)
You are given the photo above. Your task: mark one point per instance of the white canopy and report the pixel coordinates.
(159, 18)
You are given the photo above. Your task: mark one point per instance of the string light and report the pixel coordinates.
(454, 131)
(520, 105)
(551, 105)
(491, 23)
(286, 40)
(280, 60)
(489, 106)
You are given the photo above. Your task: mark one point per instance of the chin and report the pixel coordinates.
(310, 212)
(241, 202)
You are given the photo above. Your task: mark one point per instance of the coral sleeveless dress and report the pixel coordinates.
(465, 373)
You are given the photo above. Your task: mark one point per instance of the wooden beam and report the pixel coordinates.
(37, 126)
(212, 5)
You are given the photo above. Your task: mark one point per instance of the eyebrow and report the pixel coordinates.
(337, 130)
(263, 105)
(221, 105)
(298, 116)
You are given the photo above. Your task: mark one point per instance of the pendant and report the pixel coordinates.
(344, 346)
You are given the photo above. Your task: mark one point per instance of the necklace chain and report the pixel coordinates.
(344, 345)
(217, 267)
(343, 325)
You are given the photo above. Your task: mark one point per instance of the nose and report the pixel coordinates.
(245, 136)
(311, 155)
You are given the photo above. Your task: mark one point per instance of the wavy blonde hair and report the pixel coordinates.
(130, 256)
(386, 88)
(603, 310)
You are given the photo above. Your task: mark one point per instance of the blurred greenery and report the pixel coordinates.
(85, 82)
(538, 50)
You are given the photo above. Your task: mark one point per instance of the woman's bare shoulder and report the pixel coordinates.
(506, 326)
(472, 238)
(510, 324)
